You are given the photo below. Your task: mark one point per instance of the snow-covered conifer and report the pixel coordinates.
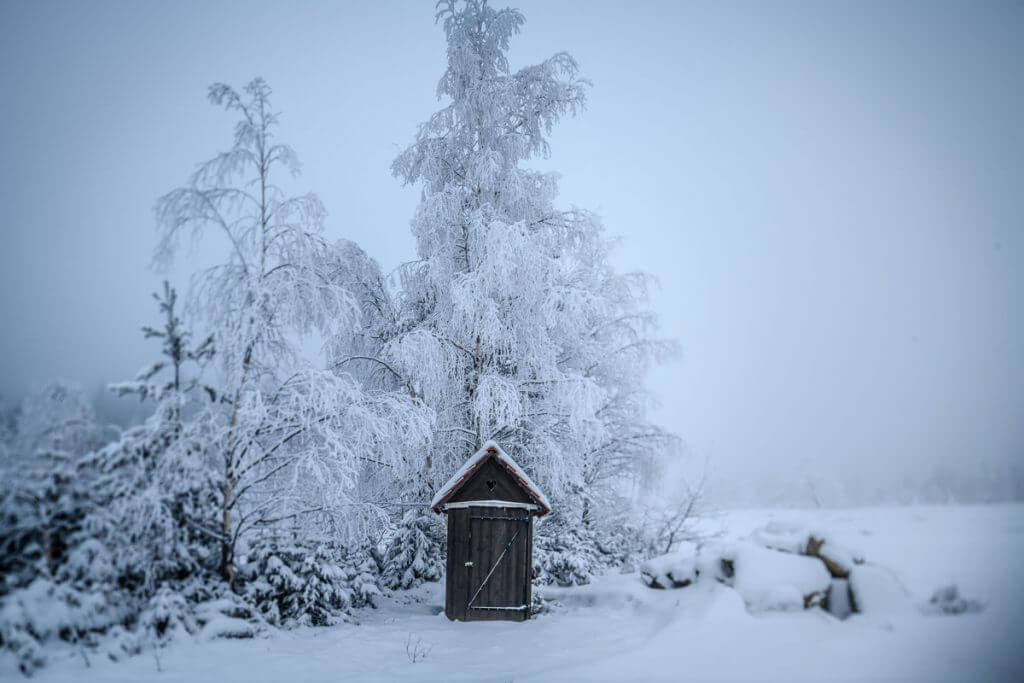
(154, 489)
(415, 553)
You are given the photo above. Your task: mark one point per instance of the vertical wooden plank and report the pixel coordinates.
(514, 584)
(459, 596)
(449, 574)
(523, 562)
(529, 569)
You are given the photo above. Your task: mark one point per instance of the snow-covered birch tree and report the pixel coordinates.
(512, 325)
(289, 432)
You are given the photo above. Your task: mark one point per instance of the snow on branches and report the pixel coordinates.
(293, 440)
(532, 338)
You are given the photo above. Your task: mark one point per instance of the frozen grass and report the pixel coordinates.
(617, 629)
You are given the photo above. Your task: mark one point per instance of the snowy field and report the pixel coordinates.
(617, 629)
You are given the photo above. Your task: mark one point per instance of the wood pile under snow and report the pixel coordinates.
(783, 567)
(677, 569)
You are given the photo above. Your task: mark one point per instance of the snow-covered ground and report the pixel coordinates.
(617, 629)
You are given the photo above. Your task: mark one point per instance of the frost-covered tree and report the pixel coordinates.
(512, 325)
(289, 433)
(166, 376)
(154, 487)
(53, 574)
(46, 491)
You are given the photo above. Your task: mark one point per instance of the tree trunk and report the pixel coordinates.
(227, 543)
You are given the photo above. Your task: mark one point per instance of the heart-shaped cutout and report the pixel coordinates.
(491, 484)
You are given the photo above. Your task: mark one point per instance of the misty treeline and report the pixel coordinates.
(276, 486)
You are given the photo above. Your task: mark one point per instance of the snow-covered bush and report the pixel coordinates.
(568, 553)
(167, 616)
(363, 578)
(416, 551)
(565, 554)
(292, 584)
(948, 600)
(47, 612)
(228, 616)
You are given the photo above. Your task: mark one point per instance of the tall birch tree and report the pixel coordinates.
(289, 432)
(512, 325)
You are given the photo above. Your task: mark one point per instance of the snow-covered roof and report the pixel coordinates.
(491, 450)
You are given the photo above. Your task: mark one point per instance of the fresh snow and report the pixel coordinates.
(878, 591)
(673, 569)
(785, 535)
(772, 580)
(618, 629)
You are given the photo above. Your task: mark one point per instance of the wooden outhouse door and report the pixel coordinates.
(499, 559)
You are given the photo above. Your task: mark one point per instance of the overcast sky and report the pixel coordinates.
(831, 194)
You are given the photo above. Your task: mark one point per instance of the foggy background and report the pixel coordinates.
(830, 195)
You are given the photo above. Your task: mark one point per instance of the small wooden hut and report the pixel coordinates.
(490, 504)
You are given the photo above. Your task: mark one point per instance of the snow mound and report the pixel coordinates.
(771, 580)
(674, 570)
(789, 537)
(227, 627)
(228, 618)
(877, 591)
(799, 539)
(838, 603)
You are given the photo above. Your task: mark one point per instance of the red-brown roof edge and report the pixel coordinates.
(490, 450)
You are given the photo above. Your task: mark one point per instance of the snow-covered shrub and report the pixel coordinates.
(228, 616)
(28, 651)
(119, 643)
(21, 548)
(89, 566)
(45, 612)
(565, 554)
(625, 546)
(44, 511)
(948, 600)
(167, 616)
(291, 584)
(153, 496)
(416, 551)
(568, 553)
(362, 578)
